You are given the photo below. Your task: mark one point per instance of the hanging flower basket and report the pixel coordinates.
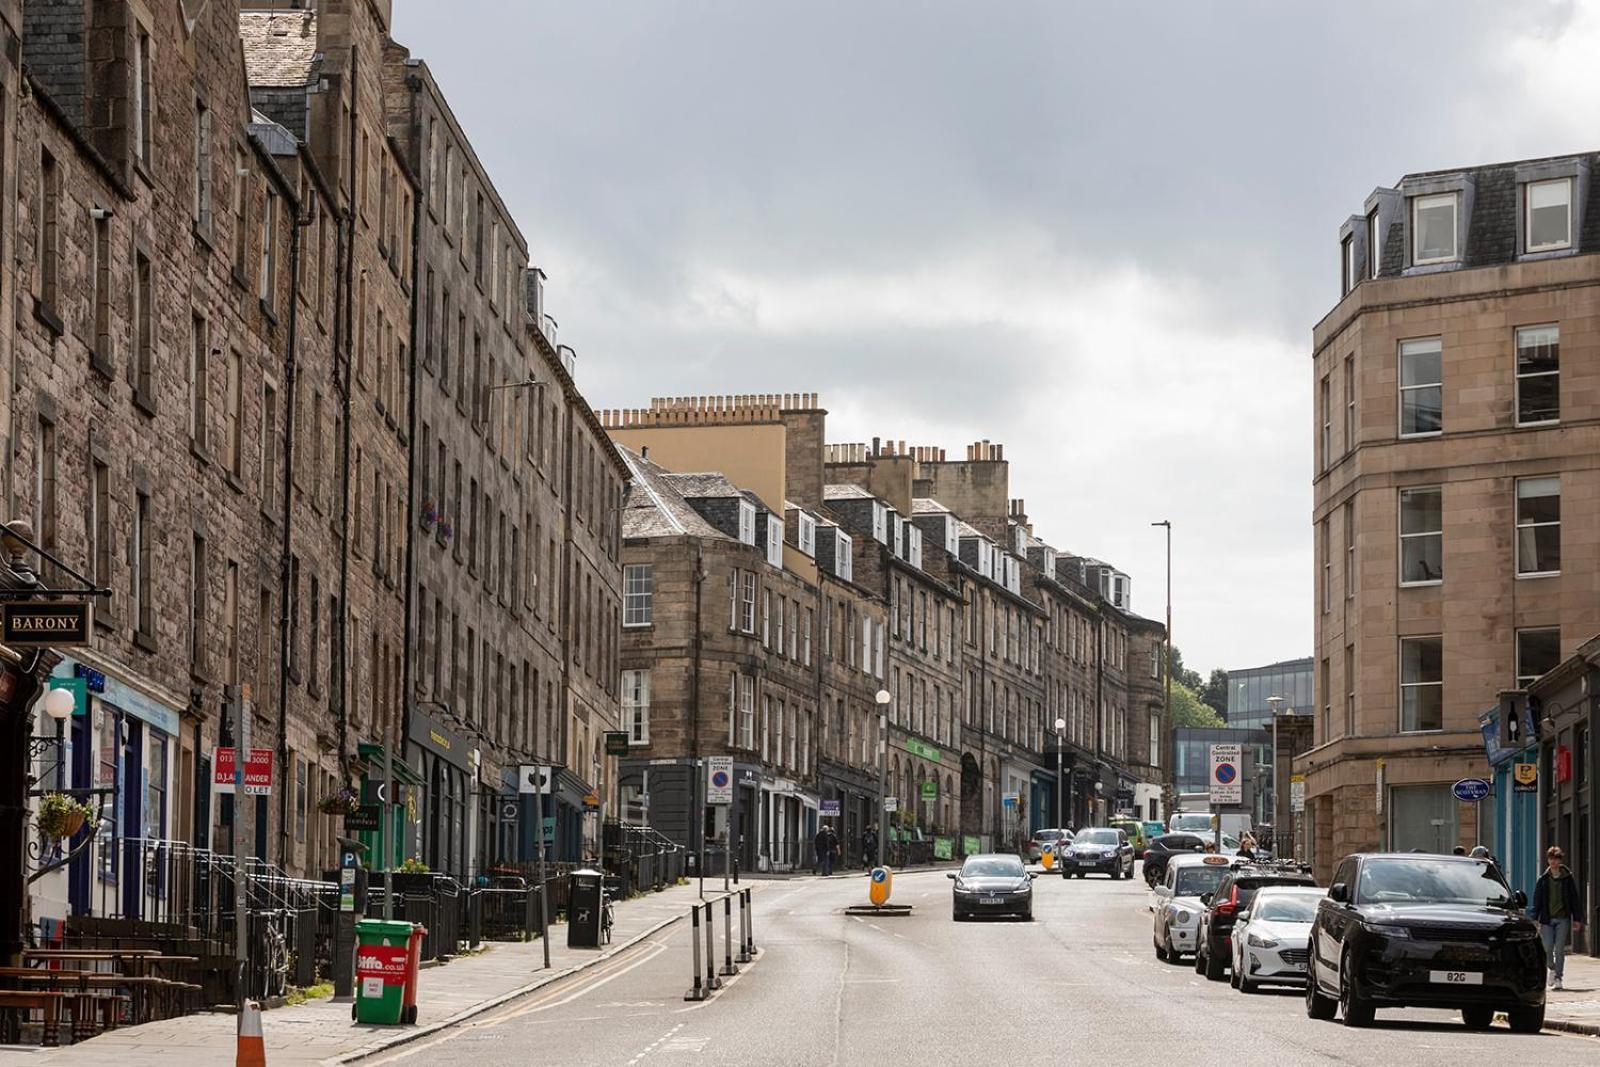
(344, 801)
(430, 515)
(60, 816)
(447, 530)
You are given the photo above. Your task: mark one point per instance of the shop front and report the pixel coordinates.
(1566, 714)
(444, 759)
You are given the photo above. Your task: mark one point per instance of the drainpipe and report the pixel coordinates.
(344, 329)
(407, 656)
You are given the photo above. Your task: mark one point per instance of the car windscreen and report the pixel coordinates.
(1096, 837)
(1284, 908)
(1193, 881)
(1417, 880)
(1178, 842)
(1046, 835)
(992, 867)
(1193, 821)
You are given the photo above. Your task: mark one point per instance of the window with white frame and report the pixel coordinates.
(806, 533)
(638, 594)
(1421, 387)
(1433, 228)
(880, 523)
(1547, 224)
(1538, 375)
(1421, 535)
(774, 540)
(914, 545)
(748, 616)
(952, 543)
(636, 706)
(1421, 683)
(1538, 526)
(1538, 653)
(1347, 264)
(844, 564)
(747, 522)
(897, 533)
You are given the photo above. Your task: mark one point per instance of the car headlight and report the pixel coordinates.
(1181, 915)
(1025, 887)
(1399, 933)
(1255, 941)
(961, 888)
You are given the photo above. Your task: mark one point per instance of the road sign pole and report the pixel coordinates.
(545, 775)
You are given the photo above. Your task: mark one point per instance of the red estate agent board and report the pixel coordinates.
(257, 771)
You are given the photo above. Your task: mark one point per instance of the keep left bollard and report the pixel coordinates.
(744, 925)
(697, 991)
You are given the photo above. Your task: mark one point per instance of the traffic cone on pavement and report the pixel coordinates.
(252, 1052)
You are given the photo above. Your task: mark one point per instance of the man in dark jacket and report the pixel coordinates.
(1556, 905)
(869, 846)
(827, 848)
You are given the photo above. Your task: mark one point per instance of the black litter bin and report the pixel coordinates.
(585, 900)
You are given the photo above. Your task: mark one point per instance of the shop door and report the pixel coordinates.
(82, 771)
(131, 824)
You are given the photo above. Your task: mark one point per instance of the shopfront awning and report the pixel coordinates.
(372, 755)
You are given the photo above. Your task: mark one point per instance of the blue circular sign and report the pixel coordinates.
(720, 779)
(1470, 789)
(1226, 773)
(879, 874)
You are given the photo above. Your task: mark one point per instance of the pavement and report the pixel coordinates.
(1576, 1008)
(322, 1032)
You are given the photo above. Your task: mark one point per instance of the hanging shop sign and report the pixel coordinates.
(616, 742)
(1525, 777)
(56, 623)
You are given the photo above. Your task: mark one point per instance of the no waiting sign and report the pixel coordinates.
(1226, 784)
(719, 780)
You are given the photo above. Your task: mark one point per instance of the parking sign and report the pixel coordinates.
(719, 780)
(1226, 784)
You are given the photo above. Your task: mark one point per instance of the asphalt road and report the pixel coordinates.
(1078, 985)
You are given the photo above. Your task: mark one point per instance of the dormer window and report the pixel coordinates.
(1347, 264)
(952, 542)
(914, 545)
(1374, 244)
(1433, 228)
(774, 540)
(880, 523)
(747, 522)
(899, 534)
(806, 535)
(1549, 215)
(843, 565)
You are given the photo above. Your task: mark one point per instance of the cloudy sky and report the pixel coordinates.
(1099, 233)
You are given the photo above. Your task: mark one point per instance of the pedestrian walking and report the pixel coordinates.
(827, 847)
(1555, 905)
(869, 847)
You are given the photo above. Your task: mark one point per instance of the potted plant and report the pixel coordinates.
(60, 816)
(342, 801)
(430, 515)
(447, 530)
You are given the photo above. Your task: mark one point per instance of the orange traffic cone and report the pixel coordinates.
(252, 1052)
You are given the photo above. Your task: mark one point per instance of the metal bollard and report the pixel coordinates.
(750, 924)
(744, 922)
(698, 992)
(712, 981)
(728, 967)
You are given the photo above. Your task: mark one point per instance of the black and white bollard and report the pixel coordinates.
(728, 966)
(712, 981)
(697, 991)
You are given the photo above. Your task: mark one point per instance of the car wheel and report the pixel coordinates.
(1215, 968)
(1115, 872)
(1199, 959)
(1354, 1010)
(1027, 916)
(1161, 950)
(1080, 874)
(1244, 985)
(956, 916)
(1526, 1020)
(1318, 1005)
(1478, 1017)
(1233, 975)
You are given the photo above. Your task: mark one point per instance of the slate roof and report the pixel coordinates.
(845, 492)
(702, 486)
(925, 505)
(280, 48)
(654, 506)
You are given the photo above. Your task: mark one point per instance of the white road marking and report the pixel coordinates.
(652, 1046)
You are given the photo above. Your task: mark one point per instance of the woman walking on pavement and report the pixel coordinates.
(1555, 904)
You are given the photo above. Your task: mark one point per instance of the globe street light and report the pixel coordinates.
(59, 704)
(882, 699)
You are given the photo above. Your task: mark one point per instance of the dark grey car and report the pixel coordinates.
(992, 884)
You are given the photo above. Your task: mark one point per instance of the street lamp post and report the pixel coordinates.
(1061, 787)
(882, 700)
(1168, 734)
(1275, 702)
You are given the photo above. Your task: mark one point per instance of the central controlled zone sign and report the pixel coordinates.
(719, 780)
(1226, 784)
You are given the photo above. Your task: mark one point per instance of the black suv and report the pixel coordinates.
(1158, 849)
(1233, 895)
(1099, 848)
(1425, 931)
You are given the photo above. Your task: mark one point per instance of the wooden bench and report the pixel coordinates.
(43, 1000)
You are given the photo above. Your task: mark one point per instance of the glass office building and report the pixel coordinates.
(1248, 690)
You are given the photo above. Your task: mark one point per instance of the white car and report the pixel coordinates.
(1269, 940)
(1177, 901)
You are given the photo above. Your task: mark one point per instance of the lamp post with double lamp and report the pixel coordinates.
(882, 700)
(1061, 786)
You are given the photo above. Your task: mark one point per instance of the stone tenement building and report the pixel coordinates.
(1455, 429)
(226, 248)
(953, 625)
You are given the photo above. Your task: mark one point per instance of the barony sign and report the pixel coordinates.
(50, 622)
